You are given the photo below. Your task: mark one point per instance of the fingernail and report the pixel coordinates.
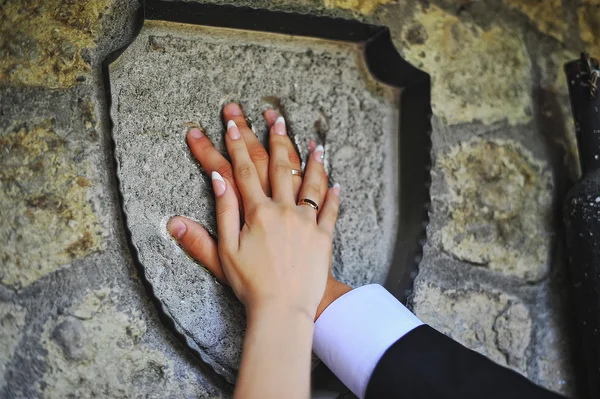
(195, 133)
(218, 183)
(319, 153)
(176, 228)
(279, 127)
(336, 189)
(234, 109)
(233, 131)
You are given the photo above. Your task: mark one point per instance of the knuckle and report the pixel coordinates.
(245, 171)
(260, 214)
(225, 171)
(222, 212)
(197, 242)
(294, 158)
(281, 167)
(259, 154)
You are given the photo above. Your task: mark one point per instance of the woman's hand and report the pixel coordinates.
(200, 245)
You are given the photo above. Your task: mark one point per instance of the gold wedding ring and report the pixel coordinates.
(296, 172)
(309, 202)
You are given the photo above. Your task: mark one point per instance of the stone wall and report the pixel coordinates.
(492, 276)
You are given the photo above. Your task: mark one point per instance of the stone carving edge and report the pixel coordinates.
(384, 63)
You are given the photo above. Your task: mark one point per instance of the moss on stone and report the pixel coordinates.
(589, 25)
(547, 16)
(499, 207)
(363, 6)
(48, 220)
(477, 74)
(41, 41)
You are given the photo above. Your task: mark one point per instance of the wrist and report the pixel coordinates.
(333, 291)
(274, 311)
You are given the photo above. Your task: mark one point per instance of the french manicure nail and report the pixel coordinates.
(336, 189)
(218, 183)
(196, 133)
(279, 127)
(233, 131)
(176, 228)
(319, 153)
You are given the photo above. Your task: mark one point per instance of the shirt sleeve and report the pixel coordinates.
(355, 331)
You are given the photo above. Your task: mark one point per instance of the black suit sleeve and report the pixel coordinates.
(425, 364)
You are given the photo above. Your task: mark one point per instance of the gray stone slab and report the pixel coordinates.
(173, 76)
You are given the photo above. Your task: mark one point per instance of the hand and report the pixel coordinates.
(198, 243)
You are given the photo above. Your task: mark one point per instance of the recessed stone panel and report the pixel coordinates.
(174, 76)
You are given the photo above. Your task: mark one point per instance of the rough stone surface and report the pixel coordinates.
(496, 68)
(48, 221)
(12, 320)
(547, 16)
(589, 24)
(41, 41)
(499, 208)
(362, 6)
(497, 72)
(338, 105)
(492, 323)
(96, 350)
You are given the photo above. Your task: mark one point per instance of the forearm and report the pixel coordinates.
(276, 356)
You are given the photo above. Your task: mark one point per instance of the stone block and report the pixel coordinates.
(477, 74)
(175, 75)
(547, 16)
(499, 208)
(362, 6)
(12, 321)
(492, 323)
(48, 220)
(41, 41)
(97, 350)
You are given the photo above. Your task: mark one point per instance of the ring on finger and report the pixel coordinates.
(309, 202)
(296, 172)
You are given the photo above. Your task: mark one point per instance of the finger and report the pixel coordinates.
(228, 214)
(311, 145)
(210, 159)
(244, 171)
(258, 153)
(195, 240)
(314, 184)
(280, 170)
(271, 116)
(329, 213)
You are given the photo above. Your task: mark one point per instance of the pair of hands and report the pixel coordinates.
(281, 256)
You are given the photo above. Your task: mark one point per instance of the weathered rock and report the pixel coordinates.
(362, 6)
(589, 25)
(547, 16)
(117, 362)
(41, 40)
(70, 336)
(499, 207)
(48, 220)
(557, 107)
(190, 71)
(466, 63)
(553, 351)
(12, 321)
(494, 324)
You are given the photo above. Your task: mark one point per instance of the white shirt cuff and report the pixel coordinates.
(355, 331)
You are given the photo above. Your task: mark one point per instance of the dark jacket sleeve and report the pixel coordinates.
(425, 364)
